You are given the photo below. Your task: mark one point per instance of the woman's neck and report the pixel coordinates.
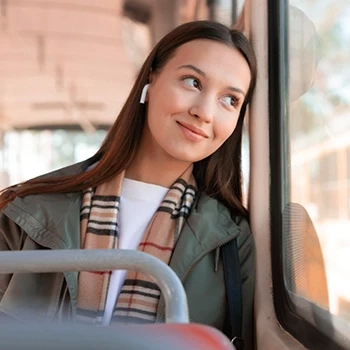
(158, 169)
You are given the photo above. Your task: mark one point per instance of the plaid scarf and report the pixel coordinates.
(139, 295)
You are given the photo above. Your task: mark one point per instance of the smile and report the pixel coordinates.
(192, 132)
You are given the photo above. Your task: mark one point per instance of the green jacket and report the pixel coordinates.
(52, 221)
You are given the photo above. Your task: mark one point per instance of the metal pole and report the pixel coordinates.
(103, 260)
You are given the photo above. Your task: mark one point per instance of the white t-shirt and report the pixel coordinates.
(138, 203)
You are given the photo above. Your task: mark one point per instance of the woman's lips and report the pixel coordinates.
(192, 132)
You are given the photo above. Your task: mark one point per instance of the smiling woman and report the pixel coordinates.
(165, 181)
(194, 103)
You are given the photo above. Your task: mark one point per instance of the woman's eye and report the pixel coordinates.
(193, 82)
(230, 101)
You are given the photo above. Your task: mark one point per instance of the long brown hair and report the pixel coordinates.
(219, 175)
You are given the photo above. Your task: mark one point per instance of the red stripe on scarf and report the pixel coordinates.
(99, 272)
(144, 244)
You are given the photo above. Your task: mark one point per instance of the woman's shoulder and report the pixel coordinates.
(208, 205)
(209, 212)
(46, 209)
(205, 203)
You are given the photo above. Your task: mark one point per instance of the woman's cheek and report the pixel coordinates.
(223, 130)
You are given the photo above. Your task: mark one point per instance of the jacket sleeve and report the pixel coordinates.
(11, 237)
(246, 251)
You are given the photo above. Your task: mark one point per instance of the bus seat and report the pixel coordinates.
(39, 336)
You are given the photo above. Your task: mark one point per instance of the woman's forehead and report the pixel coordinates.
(215, 59)
(200, 48)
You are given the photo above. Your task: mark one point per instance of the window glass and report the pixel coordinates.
(316, 215)
(28, 153)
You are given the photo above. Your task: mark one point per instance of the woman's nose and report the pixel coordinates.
(203, 108)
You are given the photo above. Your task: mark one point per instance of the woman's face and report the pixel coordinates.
(195, 100)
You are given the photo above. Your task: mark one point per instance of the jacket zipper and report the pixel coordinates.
(188, 273)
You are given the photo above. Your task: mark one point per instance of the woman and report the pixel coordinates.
(166, 181)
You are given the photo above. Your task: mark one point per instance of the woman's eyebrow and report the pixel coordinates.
(234, 89)
(200, 72)
(191, 66)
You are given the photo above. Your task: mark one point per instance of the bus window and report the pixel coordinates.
(315, 176)
(48, 149)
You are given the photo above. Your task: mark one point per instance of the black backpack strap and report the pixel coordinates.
(233, 282)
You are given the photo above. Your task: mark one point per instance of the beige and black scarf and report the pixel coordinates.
(139, 296)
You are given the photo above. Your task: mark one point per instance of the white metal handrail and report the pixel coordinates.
(103, 260)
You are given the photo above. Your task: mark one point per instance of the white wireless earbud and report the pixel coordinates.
(144, 94)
